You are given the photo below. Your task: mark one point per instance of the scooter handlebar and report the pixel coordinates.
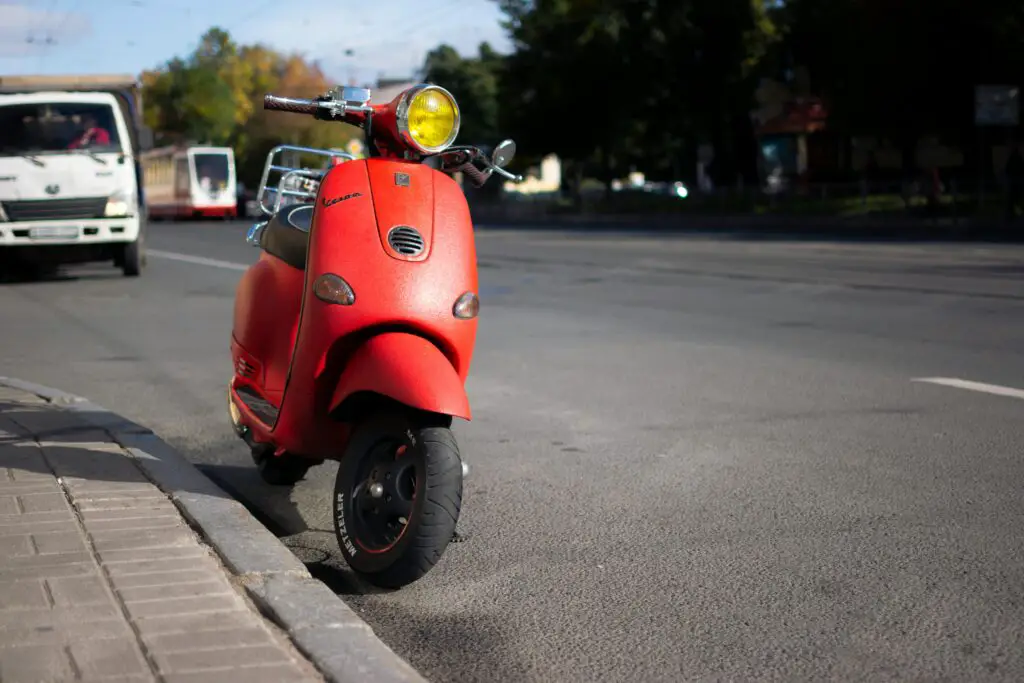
(290, 104)
(477, 177)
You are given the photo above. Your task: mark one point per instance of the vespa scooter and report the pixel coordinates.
(354, 331)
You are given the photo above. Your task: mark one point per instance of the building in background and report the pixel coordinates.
(388, 89)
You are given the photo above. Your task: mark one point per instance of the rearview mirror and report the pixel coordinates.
(503, 153)
(352, 95)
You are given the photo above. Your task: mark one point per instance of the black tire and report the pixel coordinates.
(132, 258)
(401, 554)
(283, 470)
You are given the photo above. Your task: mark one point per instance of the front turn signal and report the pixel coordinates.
(334, 290)
(466, 306)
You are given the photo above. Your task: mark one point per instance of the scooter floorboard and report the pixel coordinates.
(264, 409)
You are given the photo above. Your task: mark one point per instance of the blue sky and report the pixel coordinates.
(388, 37)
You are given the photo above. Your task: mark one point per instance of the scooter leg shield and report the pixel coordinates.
(406, 368)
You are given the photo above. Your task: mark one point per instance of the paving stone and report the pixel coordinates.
(210, 586)
(152, 508)
(66, 633)
(34, 663)
(9, 505)
(135, 523)
(98, 567)
(33, 527)
(10, 487)
(47, 501)
(21, 595)
(58, 543)
(160, 624)
(57, 618)
(17, 546)
(231, 657)
(78, 591)
(118, 500)
(169, 568)
(136, 556)
(112, 657)
(18, 517)
(169, 643)
(29, 569)
(105, 541)
(162, 578)
(172, 606)
(276, 673)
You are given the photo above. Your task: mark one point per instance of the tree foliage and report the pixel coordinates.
(646, 81)
(613, 85)
(900, 67)
(616, 85)
(473, 81)
(215, 96)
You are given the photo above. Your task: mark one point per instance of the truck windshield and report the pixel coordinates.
(43, 127)
(211, 170)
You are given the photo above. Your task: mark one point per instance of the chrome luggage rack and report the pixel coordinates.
(295, 182)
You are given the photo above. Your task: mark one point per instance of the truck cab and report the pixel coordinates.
(70, 189)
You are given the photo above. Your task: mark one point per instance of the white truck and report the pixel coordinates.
(70, 180)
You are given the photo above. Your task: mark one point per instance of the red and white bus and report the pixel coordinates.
(190, 182)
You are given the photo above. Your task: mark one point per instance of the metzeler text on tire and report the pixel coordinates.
(397, 498)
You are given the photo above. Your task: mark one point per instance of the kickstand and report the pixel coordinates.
(459, 537)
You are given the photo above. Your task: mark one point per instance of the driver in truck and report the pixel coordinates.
(92, 134)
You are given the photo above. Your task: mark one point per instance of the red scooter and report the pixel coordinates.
(353, 332)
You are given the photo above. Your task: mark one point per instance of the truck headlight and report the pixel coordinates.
(117, 206)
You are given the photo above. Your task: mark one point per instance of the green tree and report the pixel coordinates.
(473, 81)
(215, 95)
(900, 69)
(612, 85)
(566, 87)
(190, 99)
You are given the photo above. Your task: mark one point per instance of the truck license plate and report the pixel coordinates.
(53, 232)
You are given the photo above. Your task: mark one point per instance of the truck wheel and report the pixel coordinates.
(132, 258)
(397, 498)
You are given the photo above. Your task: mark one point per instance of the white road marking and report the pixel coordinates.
(198, 260)
(973, 386)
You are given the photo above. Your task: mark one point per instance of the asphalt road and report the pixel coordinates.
(692, 459)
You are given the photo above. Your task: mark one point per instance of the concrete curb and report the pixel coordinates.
(326, 630)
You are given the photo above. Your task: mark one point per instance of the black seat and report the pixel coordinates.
(287, 234)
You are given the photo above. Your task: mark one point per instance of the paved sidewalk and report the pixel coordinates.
(100, 577)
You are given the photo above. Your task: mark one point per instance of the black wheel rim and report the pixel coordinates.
(383, 495)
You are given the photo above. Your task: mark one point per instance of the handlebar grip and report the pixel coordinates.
(477, 177)
(296, 106)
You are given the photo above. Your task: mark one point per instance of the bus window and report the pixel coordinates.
(211, 170)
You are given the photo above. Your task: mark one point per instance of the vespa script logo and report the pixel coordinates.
(331, 202)
(52, 189)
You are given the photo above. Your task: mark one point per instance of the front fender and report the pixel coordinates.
(407, 368)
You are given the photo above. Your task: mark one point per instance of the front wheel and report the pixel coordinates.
(397, 498)
(132, 258)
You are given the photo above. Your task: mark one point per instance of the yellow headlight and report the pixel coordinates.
(429, 119)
